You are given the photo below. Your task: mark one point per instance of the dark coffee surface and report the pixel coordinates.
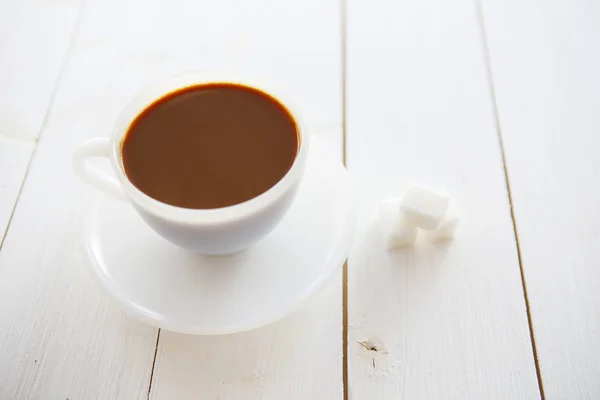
(210, 146)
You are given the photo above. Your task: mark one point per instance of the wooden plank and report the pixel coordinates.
(448, 320)
(298, 47)
(34, 37)
(14, 159)
(545, 61)
(61, 337)
(66, 339)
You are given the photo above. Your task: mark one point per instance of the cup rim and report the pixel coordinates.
(204, 216)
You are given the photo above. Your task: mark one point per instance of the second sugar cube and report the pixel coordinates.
(401, 235)
(424, 208)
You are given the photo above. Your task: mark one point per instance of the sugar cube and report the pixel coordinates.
(447, 228)
(400, 235)
(424, 208)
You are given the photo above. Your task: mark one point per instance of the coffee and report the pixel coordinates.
(210, 146)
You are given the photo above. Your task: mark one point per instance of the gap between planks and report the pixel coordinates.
(343, 35)
(492, 92)
(153, 364)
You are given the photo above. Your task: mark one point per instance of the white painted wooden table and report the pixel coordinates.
(498, 101)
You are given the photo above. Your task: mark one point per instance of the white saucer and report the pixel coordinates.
(184, 292)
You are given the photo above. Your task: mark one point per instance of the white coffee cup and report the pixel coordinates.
(213, 231)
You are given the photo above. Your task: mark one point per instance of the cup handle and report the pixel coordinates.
(96, 148)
